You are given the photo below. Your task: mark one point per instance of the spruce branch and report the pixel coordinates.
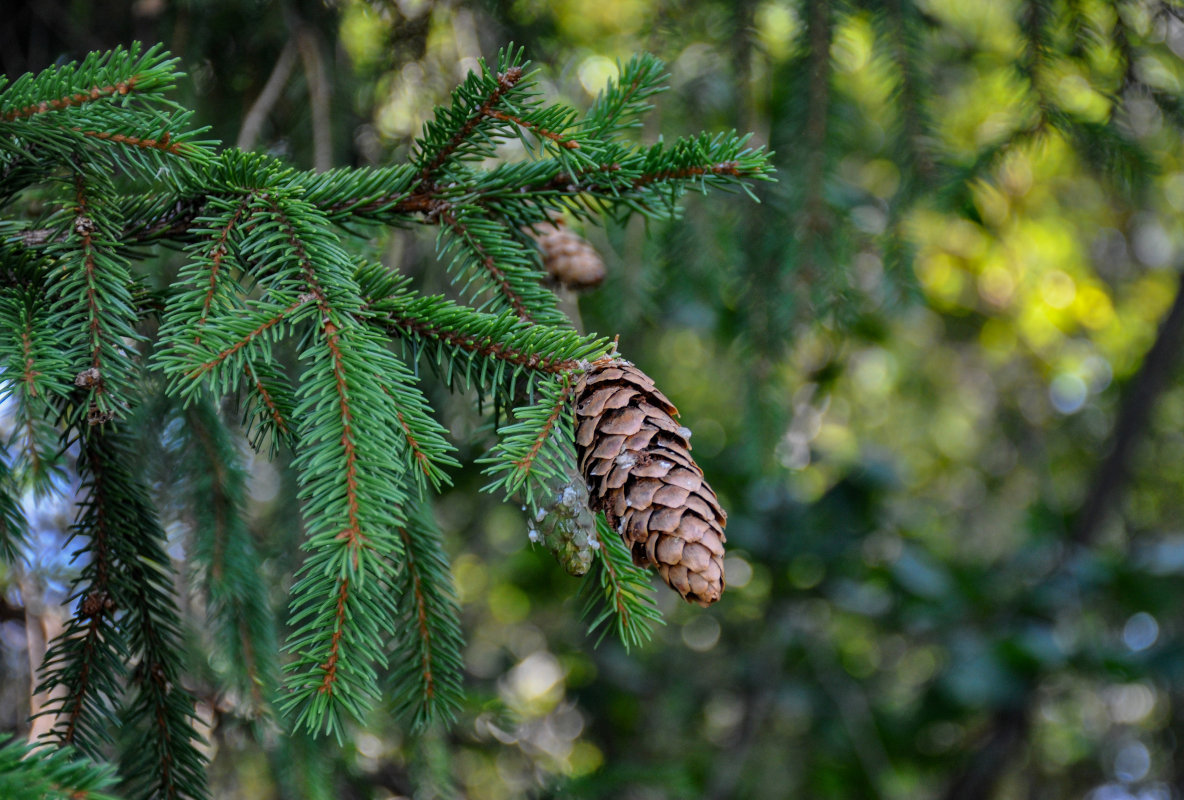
(451, 135)
(97, 272)
(618, 595)
(471, 348)
(270, 403)
(620, 105)
(536, 447)
(30, 773)
(101, 77)
(125, 613)
(487, 254)
(14, 528)
(36, 374)
(428, 662)
(225, 558)
(87, 659)
(267, 262)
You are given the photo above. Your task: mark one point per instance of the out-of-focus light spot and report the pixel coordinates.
(723, 714)
(1173, 190)
(368, 744)
(595, 72)
(737, 571)
(264, 482)
(806, 571)
(1079, 97)
(1097, 373)
(860, 656)
(471, 577)
(537, 677)
(1132, 762)
(585, 758)
(851, 48)
(874, 370)
(1058, 289)
(1151, 243)
(997, 338)
(1140, 631)
(793, 451)
(777, 25)
(1093, 307)
(939, 276)
(1129, 703)
(1067, 393)
(996, 285)
(701, 633)
(1016, 174)
(362, 33)
(508, 603)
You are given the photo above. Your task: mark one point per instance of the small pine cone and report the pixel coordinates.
(569, 260)
(636, 461)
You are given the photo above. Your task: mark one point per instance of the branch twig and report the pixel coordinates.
(253, 121)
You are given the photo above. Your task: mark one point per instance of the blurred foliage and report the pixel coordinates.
(931, 378)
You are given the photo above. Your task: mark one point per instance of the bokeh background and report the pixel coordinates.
(932, 376)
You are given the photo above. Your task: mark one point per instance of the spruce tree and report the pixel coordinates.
(283, 329)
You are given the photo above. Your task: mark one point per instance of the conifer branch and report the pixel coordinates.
(269, 400)
(490, 265)
(163, 144)
(87, 657)
(262, 328)
(225, 556)
(265, 260)
(533, 127)
(535, 447)
(216, 255)
(730, 168)
(523, 464)
(126, 612)
(13, 525)
(505, 82)
(31, 773)
(80, 98)
(428, 644)
(618, 595)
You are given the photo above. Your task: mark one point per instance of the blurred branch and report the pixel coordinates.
(1008, 730)
(253, 122)
(318, 98)
(819, 22)
(1138, 399)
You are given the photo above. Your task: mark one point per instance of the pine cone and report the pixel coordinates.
(636, 461)
(567, 257)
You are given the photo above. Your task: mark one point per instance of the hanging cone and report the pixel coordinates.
(569, 260)
(637, 464)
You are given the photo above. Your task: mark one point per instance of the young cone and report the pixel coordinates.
(637, 464)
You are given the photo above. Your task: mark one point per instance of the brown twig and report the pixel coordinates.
(257, 113)
(318, 98)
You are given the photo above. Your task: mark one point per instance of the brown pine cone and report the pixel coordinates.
(637, 464)
(567, 257)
